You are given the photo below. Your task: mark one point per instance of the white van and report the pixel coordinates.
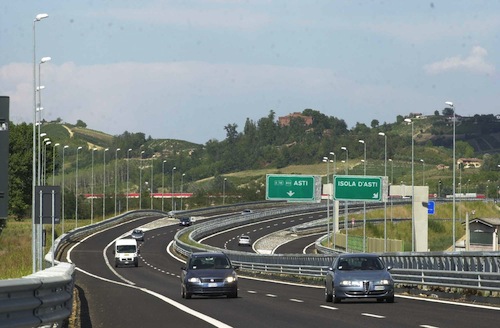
(126, 252)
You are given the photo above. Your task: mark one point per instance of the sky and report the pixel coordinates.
(185, 69)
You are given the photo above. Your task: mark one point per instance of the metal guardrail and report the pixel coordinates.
(467, 270)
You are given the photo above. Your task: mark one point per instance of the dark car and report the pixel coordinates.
(137, 234)
(359, 276)
(209, 274)
(185, 221)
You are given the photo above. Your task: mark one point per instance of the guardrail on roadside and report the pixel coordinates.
(468, 270)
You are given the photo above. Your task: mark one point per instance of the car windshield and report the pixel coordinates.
(209, 262)
(125, 249)
(360, 263)
(137, 231)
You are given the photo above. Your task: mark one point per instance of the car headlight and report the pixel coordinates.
(231, 279)
(350, 283)
(383, 282)
(194, 280)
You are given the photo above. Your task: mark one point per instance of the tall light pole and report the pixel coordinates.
(449, 103)
(76, 187)
(54, 162)
(104, 185)
(423, 171)
(364, 203)
(182, 183)
(392, 179)
(140, 181)
(407, 120)
(346, 206)
(40, 108)
(45, 144)
(327, 161)
(334, 225)
(385, 201)
(34, 249)
(92, 189)
(116, 174)
(163, 185)
(224, 191)
(128, 161)
(152, 174)
(62, 218)
(173, 169)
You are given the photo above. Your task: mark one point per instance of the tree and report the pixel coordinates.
(374, 124)
(81, 124)
(448, 111)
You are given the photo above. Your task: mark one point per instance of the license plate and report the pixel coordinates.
(212, 284)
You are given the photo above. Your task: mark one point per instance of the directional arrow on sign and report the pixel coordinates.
(375, 195)
(290, 193)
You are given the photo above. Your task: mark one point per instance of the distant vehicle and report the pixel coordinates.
(209, 274)
(244, 240)
(126, 252)
(138, 234)
(246, 211)
(359, 276)
(185, 221)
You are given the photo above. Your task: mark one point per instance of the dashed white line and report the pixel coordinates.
(296, 300)
(373, 315)
(271, 295)
(328, 307)
(428, 326)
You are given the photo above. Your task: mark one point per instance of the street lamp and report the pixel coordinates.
(449, 103)
(62, 219)
(334, 225)
(34, 249)
(392, 180)
(92, 190)
(163, 185)
(140, 181)
(76, 187)
(327, 161)
(152, 175)
(45, 144)
(54, 162)
(385, 200)
(104, 185)
(423, 172)
(407, 120)
(224, 191)
(346, 206)
(364, 203)
(182, 182)
(128, 160)
(173, 169)
(116, 174)
(39, 107)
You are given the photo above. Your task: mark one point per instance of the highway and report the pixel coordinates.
(149, 296)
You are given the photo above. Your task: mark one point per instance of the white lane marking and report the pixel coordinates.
(296, 300)
(251, 292)
(449, 302)
(271, 295)
(328, 307)
(428, 326)
(373, 315)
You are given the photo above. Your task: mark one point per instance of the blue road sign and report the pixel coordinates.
(430, 207)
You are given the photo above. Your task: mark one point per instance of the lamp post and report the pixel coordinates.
(76, 188)
(152, 175)
(224, 191)
(327, 161)
(116, 174)
(104, 184)
(173, 169)
(62, 218)
(334, 225)
(385, 200)
(423, 172)
(140, 181)
(346, 207)
(92, 190)
(407, 120)
(40, 108)
(364, 203)
(45, 144)
(163, 185)
(128, 161)
(392, 179)
(182, 183)
(54, 162)
(33, 162)
(449, 103)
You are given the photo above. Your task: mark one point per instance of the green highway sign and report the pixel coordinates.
(359, 187)
(293, 188)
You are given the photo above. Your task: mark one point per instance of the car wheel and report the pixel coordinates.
(233, 294)
(390, 299)
(136, 263)
(328, 295)
(335, 299)
(188, 295)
